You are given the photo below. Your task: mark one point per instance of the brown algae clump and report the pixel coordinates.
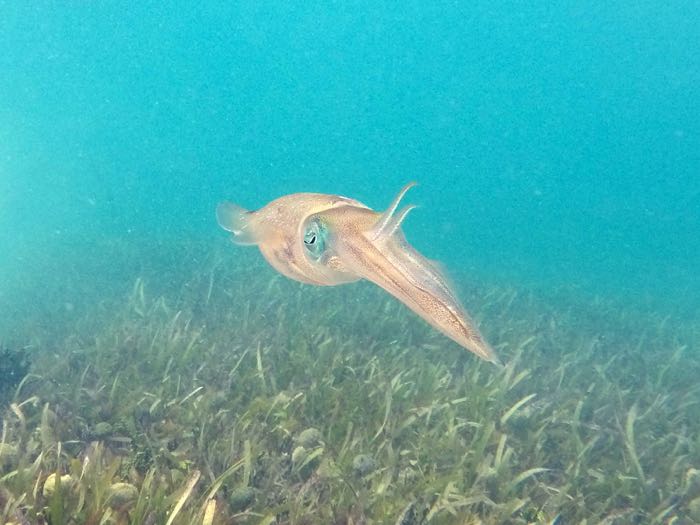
(52, 481)
(363, 464)
(309, 438)
(122, 495)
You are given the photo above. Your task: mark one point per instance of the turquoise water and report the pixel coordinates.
(557, 150)
(555, 143)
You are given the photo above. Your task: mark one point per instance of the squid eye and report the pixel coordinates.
(315, 239)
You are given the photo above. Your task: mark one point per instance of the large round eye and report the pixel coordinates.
(315, 238)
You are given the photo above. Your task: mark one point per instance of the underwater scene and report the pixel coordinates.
(298, 263)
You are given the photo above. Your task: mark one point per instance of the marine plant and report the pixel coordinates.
(240, 397)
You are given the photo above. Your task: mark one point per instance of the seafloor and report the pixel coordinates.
(180, 384)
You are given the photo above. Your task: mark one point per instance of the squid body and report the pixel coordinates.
(327, 240)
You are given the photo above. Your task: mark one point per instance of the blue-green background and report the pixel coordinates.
(555, 143)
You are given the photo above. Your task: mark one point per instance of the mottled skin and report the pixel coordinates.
(327, 240)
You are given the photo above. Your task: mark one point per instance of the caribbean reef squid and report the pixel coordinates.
(326, 240)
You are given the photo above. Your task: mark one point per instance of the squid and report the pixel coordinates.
(327, 240)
